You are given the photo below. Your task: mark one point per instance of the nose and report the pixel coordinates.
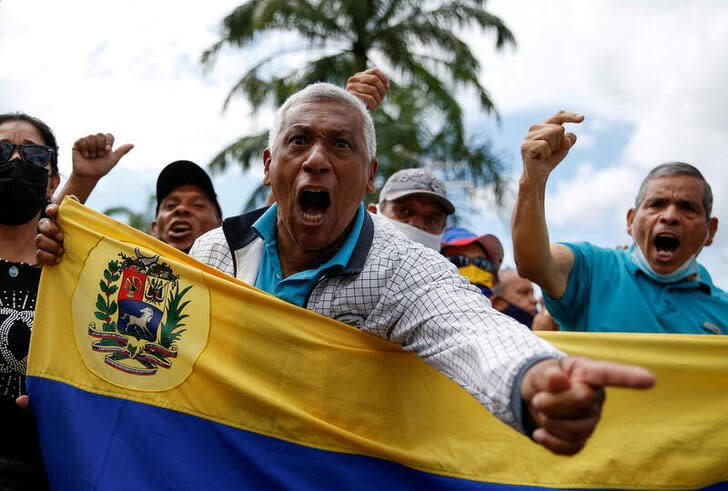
(417, 221)
(669, 214)
(317, 160)
(181, 209)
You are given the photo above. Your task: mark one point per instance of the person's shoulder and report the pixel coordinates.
(394, 254)
(592, 253)
(390, 242)
(212, 249)
(210, 239)
(715, 291)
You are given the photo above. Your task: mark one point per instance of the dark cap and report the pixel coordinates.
(183, 172)
(411, 182)
(458, 236)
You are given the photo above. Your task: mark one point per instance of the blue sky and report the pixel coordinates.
(649, 76)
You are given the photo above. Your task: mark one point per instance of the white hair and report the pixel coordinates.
(322, 91)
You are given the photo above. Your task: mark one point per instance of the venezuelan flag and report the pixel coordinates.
(148, 370)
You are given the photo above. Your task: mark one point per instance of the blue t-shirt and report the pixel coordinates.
(295, 288)
(607, 292)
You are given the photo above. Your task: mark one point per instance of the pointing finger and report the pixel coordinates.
(562, 117)
(606, 373)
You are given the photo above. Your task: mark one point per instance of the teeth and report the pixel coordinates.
(313, 216)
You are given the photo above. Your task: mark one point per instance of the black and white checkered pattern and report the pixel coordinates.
(413, 296)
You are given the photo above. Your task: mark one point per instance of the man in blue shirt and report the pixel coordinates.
(654, 286)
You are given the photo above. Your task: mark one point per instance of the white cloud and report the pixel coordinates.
(658, 67)
(590, 198)
(133, 68)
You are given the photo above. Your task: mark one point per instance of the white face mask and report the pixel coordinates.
(415, 234)
(688, 268)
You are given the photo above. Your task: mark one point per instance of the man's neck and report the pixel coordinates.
(294, 258)
(17, 243)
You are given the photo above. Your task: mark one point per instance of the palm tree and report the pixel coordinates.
(140, 220)
(413, 41)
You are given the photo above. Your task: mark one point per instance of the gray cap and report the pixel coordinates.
(412, 182)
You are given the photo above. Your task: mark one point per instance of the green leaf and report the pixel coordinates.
(103, 287)
(112, 289)
(112, 308)
(100, 316)
(101, 303)
(107, 275)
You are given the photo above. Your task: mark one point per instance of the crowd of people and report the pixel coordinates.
(393, 269)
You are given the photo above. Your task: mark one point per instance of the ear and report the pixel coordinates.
(630, 219)
(372, 169)
(53, 182)
(498, 303)
(372, 208)
(712, 229)
(266, 166)
(153, 230)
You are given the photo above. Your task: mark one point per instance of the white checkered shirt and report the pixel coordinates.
(412, 295)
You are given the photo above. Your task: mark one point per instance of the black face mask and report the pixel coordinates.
(519, 314)
(22, 191)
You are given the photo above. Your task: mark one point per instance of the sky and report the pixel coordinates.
(649, 76)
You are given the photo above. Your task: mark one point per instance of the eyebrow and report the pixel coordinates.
(308, 128)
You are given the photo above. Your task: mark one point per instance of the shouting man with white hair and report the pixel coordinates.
(317, 247)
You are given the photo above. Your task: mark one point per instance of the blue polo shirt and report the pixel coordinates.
(607, 292)
(296, 288)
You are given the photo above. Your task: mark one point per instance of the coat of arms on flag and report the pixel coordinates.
(140, 319)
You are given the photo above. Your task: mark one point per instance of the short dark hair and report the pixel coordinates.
(49, 139)
(677, 169)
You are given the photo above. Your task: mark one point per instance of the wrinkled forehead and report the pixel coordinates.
(333, 113)
(18, 131)
(683, 186)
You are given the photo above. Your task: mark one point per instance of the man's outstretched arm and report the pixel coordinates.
(546, 264)
(565, 397)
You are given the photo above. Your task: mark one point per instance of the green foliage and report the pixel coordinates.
(106, 307)
(139, 219)
(170, 330)
(415, 42)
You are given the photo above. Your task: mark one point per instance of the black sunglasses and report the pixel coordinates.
(480, 262)
(39, 155)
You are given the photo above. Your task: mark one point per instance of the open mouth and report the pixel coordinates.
(666, 245)
(180, 228)
(314, 203)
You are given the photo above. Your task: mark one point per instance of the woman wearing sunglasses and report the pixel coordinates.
(28, 179)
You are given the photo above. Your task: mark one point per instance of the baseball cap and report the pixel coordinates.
(181, 172)
(458, 236)
(411, 182)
